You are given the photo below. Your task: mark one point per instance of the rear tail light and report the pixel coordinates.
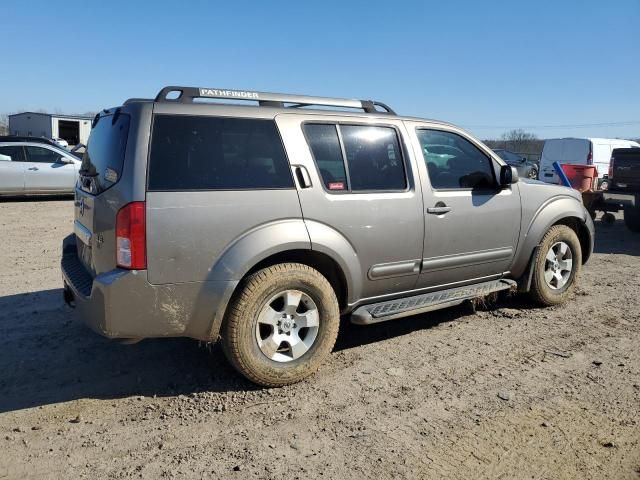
(131, 237)
(611, 167)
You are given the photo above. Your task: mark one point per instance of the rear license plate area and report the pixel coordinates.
(83, 243)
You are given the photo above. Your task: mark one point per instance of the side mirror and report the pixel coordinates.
(508, 175)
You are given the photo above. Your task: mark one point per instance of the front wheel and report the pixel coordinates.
(281, 325)
(556, 266)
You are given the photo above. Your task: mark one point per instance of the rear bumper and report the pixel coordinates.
(123, 304)
(627, 199)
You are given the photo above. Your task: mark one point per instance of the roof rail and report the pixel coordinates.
(266, 99)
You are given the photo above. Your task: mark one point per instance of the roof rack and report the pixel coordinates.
(266, 99)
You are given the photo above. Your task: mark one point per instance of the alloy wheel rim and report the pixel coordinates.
(558, 265)
(287, 326)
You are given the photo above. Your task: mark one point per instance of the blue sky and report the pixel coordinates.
(488, 66)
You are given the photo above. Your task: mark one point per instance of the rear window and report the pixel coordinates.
(12, 153)
(325, 146)
(216, 153)
(373, 154)
(103, 160)
(372, 157)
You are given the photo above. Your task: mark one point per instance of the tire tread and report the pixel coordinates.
(239, 313)
(540, 292)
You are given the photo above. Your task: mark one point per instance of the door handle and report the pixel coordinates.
(33, 168)
(303, 176)
(439, 209)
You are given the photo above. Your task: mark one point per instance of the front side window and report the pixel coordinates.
(12, 153)
(216, 153)
(42, 155)
(373, 157)
(454, 162)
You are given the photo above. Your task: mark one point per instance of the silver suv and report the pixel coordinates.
(260, 225)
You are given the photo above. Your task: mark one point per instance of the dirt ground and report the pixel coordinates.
(510, 391)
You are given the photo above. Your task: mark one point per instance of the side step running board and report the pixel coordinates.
(403, 307)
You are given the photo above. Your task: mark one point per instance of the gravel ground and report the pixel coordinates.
(509, 391)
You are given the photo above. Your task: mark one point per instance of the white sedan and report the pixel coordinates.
(36, 168)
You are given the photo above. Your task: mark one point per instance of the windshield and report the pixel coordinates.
(104, 157)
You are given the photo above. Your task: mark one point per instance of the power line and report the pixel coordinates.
(580, 125)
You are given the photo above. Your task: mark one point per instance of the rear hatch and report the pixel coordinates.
(96, 205)
(625, 169)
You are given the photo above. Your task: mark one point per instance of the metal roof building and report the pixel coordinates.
(74, 129)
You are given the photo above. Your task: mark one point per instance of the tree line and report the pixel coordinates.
(518, 141)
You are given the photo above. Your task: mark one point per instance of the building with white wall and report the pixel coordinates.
(74, 129)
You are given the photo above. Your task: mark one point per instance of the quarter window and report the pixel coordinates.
(455, 163)
(216, 153)
(373, 157)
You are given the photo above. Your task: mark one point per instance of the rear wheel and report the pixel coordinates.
(556, 266)
(608, 218)
(281, 325)
(632, 218)
(533, 173)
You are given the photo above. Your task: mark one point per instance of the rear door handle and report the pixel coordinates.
(33, 168)
(439, 209)
(303, 176)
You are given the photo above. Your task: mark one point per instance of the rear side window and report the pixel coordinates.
(12, 153)
(104, 158)
(373, 157)
(325, 146)
(216, 153)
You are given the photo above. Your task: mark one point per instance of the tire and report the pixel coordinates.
(608, 218)
(555, 292)
(533, 174)
(632, 218)
(258, 319)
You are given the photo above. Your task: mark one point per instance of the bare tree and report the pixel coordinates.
(518, 141)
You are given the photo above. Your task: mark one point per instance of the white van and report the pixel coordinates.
(581, 151)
